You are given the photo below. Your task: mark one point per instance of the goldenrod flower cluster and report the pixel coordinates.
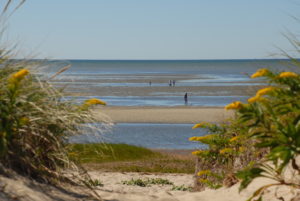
(253, 99)
(256, 99)
(260, 93)
(264, 91)
(200, 125)
(288, 74)
(234, 105)
(226, 150)
(260, 73)
(204, 172)
(195, 138)
(94, 101)
(197, 152)
(18, 76)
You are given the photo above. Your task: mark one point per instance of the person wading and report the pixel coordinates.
(186, 98)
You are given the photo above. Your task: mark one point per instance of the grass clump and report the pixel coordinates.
(93, 183)
(147, 182)
(129, 158)
(35, 124)
(100, 153)
(181, 188)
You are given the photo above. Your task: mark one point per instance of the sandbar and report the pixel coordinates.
(180, 114)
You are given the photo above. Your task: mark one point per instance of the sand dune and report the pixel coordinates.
(113, 189)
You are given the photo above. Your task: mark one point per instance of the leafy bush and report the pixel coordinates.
(267, 126)
(273, 120)
(228, 150)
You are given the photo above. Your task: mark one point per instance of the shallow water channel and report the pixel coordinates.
(156, 136)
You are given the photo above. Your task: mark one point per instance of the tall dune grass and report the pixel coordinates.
(34, 121)
(35, 124)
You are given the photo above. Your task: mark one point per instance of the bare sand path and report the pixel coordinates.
(164, 114)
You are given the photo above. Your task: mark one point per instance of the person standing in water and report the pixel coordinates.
(186, 98)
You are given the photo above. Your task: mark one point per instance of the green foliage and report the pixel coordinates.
(227, 145)
(270, 126)
(135, 182)
(93, 183)
(267, 126)
(129, 158)
(181, 188)
(100, 153)
(147, 182)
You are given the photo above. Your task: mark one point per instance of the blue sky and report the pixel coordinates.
(153, 29)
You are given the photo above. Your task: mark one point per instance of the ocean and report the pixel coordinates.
(208, 83)
(124, 83)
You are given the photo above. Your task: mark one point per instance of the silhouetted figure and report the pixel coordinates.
(150, 83)
(170, 83)
(173, 83)
(186, 98)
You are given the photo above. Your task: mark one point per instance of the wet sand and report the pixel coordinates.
(163, 91)
(164, 114)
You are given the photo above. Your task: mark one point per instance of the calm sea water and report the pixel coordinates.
(121, 77)
(219, 68)
(158, 136)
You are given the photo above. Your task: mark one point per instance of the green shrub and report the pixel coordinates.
(267, 128)
(228, 150)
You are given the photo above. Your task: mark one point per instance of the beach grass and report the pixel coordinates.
(129, 158)
(100, 153)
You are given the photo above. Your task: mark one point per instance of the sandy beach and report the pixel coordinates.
(113, 189)
(164, 114)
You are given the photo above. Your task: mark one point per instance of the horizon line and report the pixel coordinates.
(156, 59)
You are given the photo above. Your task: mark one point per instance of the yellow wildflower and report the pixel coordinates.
(225, 150)
(264, 91)
(204, 172)
(18, 75)
(260, 73)
(197, 152)
(234, 139)
(195, 138)
(234, 105)
(288, 74)
(94, 101)
(256, 99)
(199, 125)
